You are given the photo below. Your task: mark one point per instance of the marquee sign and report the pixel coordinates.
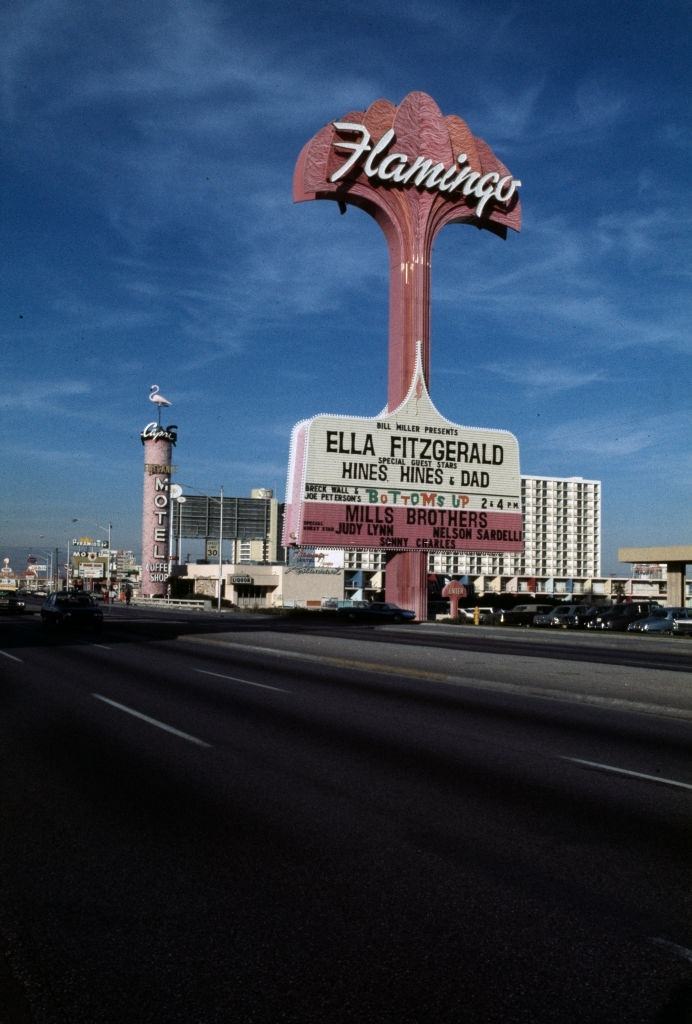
(409, 480)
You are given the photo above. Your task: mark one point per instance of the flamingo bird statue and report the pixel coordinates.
(158, 400)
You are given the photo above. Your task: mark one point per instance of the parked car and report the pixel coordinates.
(621, 615)
(662, 620)
(485, 615)
(578, 615)
(598, 621)
(521, 614)
(683, 625)
(544, 618)
(71, 609)
(11, 602)
(558, 619)
(376, 612)
(595, 612)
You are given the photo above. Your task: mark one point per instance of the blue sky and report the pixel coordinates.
(149, 236)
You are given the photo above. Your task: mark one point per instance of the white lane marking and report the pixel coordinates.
(137, 618)
(237, 679)
(101, 647)
(151, 721)
(625, 771)
(468, 683)
(12, 657)
(682, 951)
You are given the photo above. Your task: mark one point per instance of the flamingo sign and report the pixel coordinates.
(414, 170)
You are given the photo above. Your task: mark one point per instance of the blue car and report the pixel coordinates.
(662, 620)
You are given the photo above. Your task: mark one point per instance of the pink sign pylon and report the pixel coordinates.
(413, 170)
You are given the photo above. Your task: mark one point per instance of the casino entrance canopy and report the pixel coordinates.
(676, 557)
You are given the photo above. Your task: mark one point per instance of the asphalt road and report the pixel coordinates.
(226, 819)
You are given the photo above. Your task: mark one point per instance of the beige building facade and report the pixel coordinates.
(262, 585)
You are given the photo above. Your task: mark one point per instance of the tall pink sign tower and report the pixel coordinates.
(413, 170)
(158, 445)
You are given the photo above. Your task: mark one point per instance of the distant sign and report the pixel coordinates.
(92, 570)
(406, 480)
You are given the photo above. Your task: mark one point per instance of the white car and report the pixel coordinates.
(683, 625)
(485, 614)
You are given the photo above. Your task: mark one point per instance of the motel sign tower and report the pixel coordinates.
(158, 443)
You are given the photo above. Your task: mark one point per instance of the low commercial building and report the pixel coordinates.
(266, 585)
(675, 557)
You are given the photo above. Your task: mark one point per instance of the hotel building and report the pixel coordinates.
(562, 543)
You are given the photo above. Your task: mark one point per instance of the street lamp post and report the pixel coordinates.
(68, 566)
(54, 562)
(179, 542)
(218, 600)
(110, 567)
(49, 554)
(175, 493)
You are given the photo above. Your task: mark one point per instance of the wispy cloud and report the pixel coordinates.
(637, 234)
(543, 378)
(591, 281)
(614, 436)
(45, 396)
(599, 105)
(22, 36)
(510, 115)
(33, 453)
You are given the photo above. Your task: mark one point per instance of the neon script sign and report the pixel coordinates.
(154, 432)
(421, 172)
